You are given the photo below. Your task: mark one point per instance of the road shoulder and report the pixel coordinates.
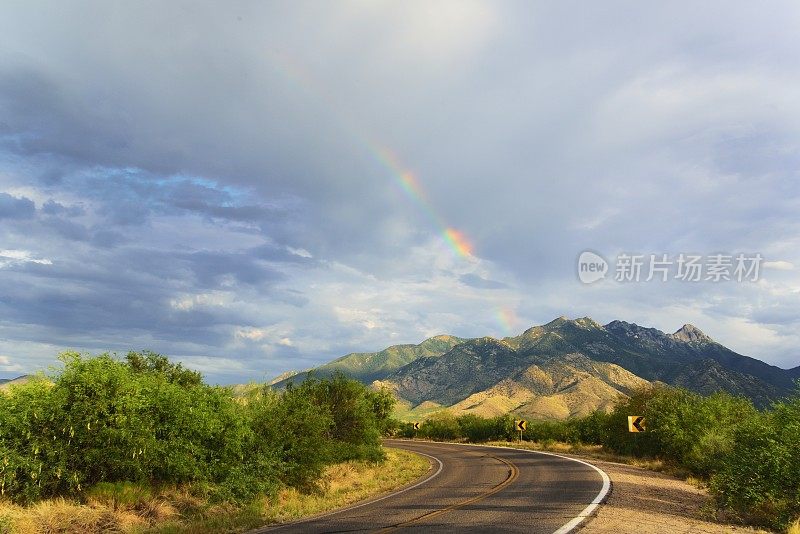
(646, 501)
(358, 494)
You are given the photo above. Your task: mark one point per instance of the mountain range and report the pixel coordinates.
(557, 370)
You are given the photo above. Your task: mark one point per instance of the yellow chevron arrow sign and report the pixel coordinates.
(636, 423)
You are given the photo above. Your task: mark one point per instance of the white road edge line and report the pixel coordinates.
(367, 503)
(589, 510)
(585, 513)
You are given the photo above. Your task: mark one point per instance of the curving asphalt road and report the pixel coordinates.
(476, 489)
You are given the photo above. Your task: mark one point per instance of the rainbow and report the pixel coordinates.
(402, 177)
(506, 318)
(408, 183)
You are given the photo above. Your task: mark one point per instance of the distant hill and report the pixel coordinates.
(560, 369)
(370, 366)
(553, 388)
(5, 383)
(284, 377)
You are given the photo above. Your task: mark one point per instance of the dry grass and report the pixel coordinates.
(348, 483)
(128, 508)
(108, 508)
(63, 516)
(794, 528)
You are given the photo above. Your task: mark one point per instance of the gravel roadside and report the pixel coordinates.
(646, 501)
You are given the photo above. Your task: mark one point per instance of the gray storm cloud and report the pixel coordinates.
(205, 180)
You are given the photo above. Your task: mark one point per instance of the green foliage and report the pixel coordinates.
(550, 431)
(107, 424)
(760, 474)
(682, 427)
(294, 426)
(444, 426)
(441, 426)
(150, 362)
(477, 429)
(351, 411)
(30, 464)
(358, 416)
(594, 429)
(383, 405)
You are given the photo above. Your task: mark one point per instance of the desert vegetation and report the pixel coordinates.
(124, 431)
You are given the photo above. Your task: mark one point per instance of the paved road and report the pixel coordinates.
(475, 489)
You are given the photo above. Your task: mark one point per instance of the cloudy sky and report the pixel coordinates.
(262, 186)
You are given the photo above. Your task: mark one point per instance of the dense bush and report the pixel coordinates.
(551, 431)
(682, 427)
(358, 416)
(594, 429)
(760, 473)
(146, 420)
(291, 424)
(443, 426)
(478, 429)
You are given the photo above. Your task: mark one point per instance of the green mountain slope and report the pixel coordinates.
(559, 369)
(470, 367)
(370, 366)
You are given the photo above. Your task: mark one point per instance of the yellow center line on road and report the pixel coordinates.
(513, 473)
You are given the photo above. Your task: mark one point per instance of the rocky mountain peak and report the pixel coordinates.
(690, 333)
(619, 325)
(587, 322)
(559, 321)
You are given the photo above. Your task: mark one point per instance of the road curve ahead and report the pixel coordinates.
(476, 489)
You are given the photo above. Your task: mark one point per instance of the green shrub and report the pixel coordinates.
(440, 426)
(759, 476)
(396, 428)
(552, 431)
(685, 428)
(104, 423)
(402, 429)
(358, 416)
(32, 443)
(477, 429)
(296, 428)
(594, 428)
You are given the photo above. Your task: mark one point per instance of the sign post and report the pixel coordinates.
(521, 425)
(415, 425)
